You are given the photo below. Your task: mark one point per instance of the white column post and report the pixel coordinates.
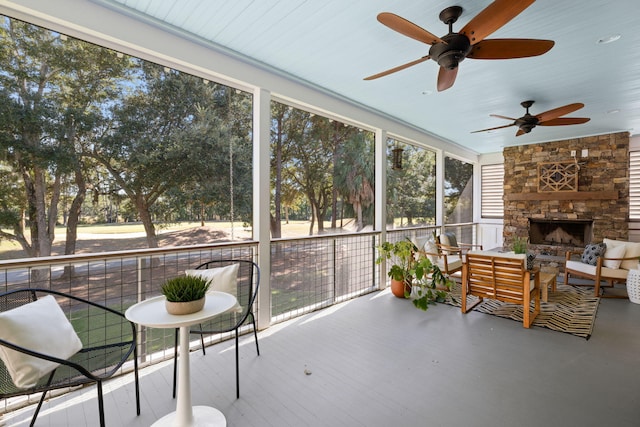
(261, 199)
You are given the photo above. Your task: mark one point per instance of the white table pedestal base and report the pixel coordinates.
(203, 416)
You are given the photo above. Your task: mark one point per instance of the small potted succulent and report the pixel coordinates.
(185, 294)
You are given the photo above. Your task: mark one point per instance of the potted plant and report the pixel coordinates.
(401, 255)
(520, 245)
(429, 284)
(185, 294)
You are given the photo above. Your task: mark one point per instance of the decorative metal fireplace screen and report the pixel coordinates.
(560, 232)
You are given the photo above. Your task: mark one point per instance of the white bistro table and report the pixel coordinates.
(152, 313)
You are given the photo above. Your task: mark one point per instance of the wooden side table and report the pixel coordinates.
(547, 279)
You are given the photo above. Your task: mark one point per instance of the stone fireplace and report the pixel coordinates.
(555, 222)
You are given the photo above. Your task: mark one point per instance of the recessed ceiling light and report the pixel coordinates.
(608, 39)
(614, 111)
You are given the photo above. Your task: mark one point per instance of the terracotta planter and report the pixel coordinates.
(188, 307)
(398, 287)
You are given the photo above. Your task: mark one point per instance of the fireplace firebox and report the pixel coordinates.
(560, 232)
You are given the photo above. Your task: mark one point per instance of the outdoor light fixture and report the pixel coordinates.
(396, 163)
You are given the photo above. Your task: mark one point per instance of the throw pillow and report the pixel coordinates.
(592, 252)
(431, 248)
(614, 252)
(449, 239)
(221, 279)
(40, 326)
(632, 250)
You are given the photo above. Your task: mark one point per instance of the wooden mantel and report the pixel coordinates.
(565, 195)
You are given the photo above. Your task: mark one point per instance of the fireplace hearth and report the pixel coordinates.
(576, 233)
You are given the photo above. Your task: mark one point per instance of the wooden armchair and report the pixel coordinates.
(501, 277)
(448, 243)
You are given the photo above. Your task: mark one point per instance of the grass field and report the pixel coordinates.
(115, 237)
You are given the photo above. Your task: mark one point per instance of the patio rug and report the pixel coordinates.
(570, 309)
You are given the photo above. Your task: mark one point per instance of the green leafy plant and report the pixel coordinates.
(185, 288)
(401, 255)
(424, 287)
(519, 245)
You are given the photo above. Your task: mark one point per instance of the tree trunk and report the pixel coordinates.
(358, 208)
(147, 222)
(74, 212)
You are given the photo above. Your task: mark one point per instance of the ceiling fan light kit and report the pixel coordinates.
(451, 49)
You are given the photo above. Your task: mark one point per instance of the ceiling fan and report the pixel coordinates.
(548, 118)
(449, 50)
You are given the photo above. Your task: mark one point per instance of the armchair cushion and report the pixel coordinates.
(448, 239)
(454, 263)
(40, 326)
(592, 252)
(222, 279)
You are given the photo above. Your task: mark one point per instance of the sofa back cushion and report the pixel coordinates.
(632, 249)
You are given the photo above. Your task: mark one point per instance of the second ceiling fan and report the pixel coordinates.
(548, 118)
(451, 49)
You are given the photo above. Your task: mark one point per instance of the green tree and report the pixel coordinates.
(52, 88)
(355, 174)
(458, 191)
(411, 190)
(149, 146)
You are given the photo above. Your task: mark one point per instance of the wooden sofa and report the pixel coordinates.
(503, 277)
(611, 268)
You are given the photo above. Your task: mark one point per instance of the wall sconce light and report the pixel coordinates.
(396, 163)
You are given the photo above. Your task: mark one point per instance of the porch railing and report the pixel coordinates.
(306, 274)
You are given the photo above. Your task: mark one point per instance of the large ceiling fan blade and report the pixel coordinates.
(509, 48)
(564, 121)
(493, 17)
(446, 78)
(497, 127)
(502, 117)
(560, 111)
(398, 68)
(408, 28)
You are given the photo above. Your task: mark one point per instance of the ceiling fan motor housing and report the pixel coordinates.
(451, 53)
(527, 122)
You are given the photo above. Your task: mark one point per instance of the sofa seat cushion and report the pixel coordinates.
(607, 273)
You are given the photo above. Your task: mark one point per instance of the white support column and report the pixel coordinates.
(261, 195)
(439, 188)
(381, 192)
